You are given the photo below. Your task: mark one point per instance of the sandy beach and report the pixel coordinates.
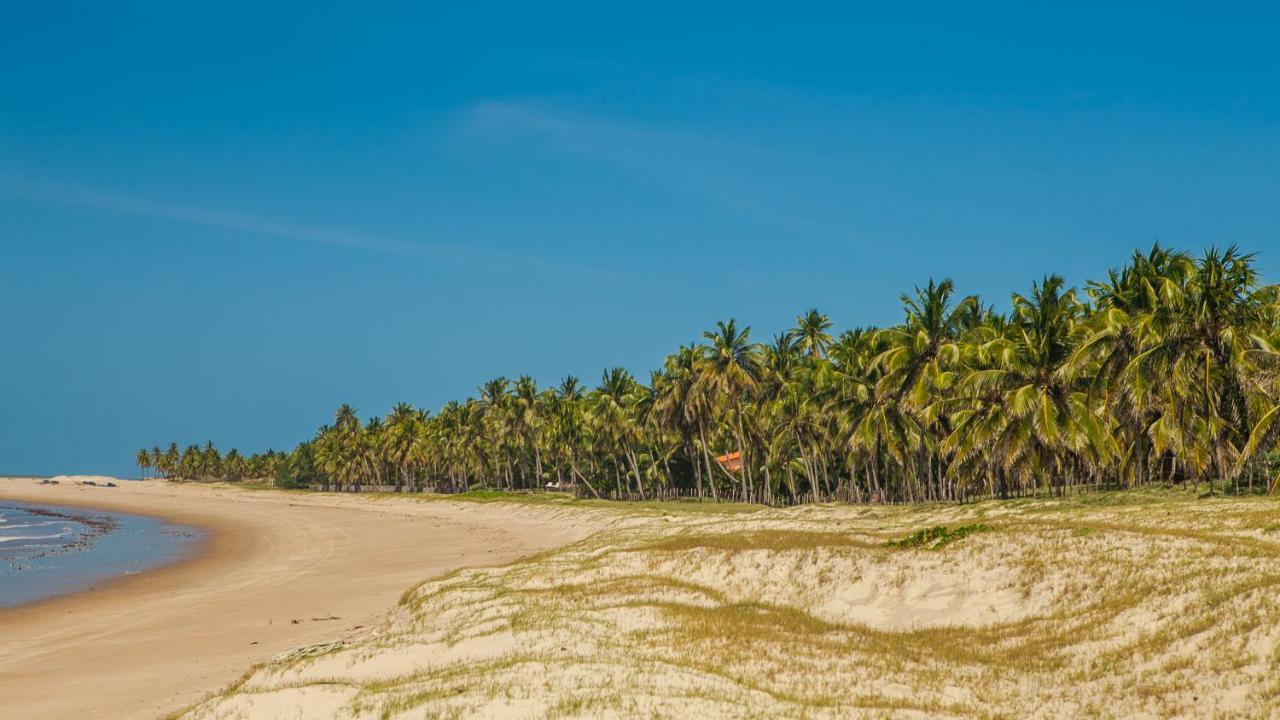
(278, 570)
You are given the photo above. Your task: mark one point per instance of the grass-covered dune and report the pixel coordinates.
(1136, 604)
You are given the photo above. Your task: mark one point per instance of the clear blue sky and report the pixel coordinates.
(220, 223)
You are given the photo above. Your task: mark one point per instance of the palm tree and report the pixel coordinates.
(340, 448)
(234, 466)
(680, 406)
(615, 400)
(921, 350)
(210, 461)
(401, 435)
(526, 422)
(729, 374)
(1207, 357)
(495, 404)
(158, 461)
(1134, 307)
(877, 430)
(811, 333)
(1028, 415)
(173, 460)
(570, 427)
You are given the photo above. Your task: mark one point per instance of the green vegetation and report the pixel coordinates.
(1164, 372)
(937, 537)
(207, 463)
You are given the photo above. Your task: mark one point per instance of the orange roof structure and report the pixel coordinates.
(731, 461)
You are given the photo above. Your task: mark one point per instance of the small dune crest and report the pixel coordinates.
(85, 479)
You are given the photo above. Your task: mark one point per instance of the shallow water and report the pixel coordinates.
(50, 550)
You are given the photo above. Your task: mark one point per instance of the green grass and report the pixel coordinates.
(775, 541)
(937, 537)
(536, 498)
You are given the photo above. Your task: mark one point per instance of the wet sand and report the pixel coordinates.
(277, 570)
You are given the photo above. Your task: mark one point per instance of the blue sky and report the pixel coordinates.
(221, 222)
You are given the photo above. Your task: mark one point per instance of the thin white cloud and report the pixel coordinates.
(62, 193)
(75, 195)
(732, 173)
(593, 135)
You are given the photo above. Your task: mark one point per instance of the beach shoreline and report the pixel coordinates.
(274, 571)
(191, 549)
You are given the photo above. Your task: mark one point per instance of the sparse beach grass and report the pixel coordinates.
(1154, 603)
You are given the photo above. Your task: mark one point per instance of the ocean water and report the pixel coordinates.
(50, 550)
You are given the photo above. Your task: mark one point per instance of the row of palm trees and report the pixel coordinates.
(1166, 371)
(206, 463)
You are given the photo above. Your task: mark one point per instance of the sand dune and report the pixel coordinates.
(278, 571)
(1156, 606)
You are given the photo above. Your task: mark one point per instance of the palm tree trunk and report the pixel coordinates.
(635, 467)
(697, 472)
(808, 468)
(742, 452)
(706, 455)
(874, 465)
(537, 459)
(573, 468)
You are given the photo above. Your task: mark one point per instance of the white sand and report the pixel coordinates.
(277, 567)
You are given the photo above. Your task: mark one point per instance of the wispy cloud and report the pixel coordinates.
(71, 194)
(732, 173)
(588, 134)
(76, 195)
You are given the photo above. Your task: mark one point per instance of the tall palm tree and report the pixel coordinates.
(920, 352)
(341, 448)
(210, 461)
(1028, 416)
(496, 406)
(1134, 307)
(401, 435)
(681, 406)
(616, 398)
(234, 466)
(526, 420)
(811, 334)
(1207, 355)
(158, 462)
(571, 427)
(729, 375)
(173, 460)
